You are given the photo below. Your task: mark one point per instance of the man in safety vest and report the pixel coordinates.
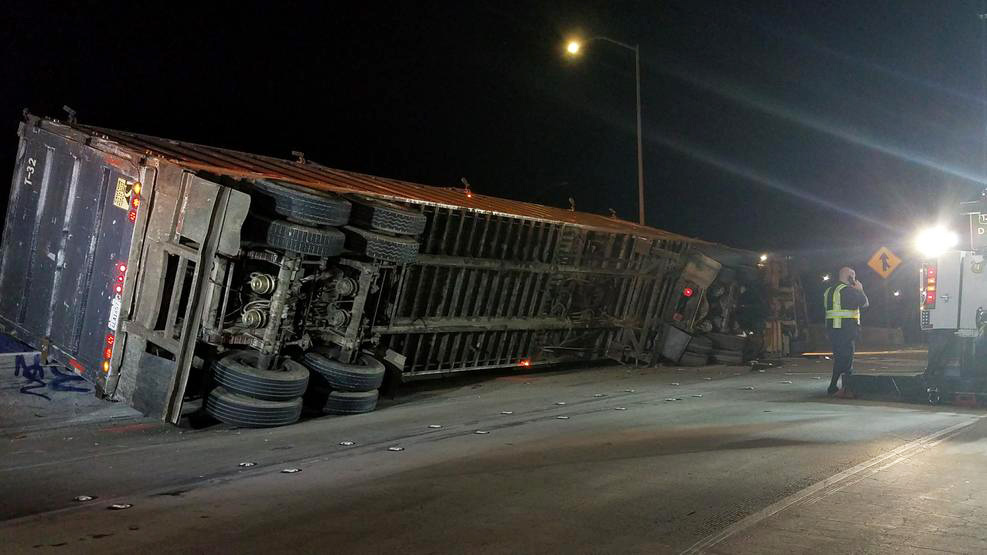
(843, 303)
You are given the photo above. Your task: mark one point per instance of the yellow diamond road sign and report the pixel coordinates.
(884, 262)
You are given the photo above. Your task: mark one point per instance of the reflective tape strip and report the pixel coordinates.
(842, 313)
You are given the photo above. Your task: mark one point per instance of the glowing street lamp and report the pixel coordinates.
(573, 48)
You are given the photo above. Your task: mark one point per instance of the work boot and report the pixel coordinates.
(844, 391)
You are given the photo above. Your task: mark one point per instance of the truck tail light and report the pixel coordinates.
(688, 292)
(929, 280)
(135, 202)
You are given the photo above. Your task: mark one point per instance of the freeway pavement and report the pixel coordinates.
(594, 460)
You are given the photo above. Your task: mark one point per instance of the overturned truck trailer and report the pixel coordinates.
(163, 270)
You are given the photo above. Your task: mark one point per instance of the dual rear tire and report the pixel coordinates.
(249, 397)
(346, 388)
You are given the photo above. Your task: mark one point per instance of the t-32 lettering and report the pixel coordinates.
(32, 166)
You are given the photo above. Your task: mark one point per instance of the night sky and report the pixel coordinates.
(821, 129)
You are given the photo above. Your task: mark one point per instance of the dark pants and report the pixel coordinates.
(842, 340)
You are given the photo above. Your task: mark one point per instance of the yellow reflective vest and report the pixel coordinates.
(836, 312)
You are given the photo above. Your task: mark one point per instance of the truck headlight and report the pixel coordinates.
(934, 241)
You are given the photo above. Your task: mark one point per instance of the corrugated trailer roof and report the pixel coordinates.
(242, 165)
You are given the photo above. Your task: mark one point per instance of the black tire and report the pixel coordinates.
(239, 410)
(386, 216)
(700, 345)
(728, 357)
(693, 359)
(402, 250)
(304, 239)
(305, 206)
(726, 342)
(366, 374)
(238, 373)
(351, 402)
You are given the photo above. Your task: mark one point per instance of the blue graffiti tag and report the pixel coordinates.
(35, 374)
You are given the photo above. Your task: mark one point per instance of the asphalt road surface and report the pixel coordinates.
(601, 460)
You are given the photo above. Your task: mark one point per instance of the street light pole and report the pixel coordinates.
(640, 155)
(573, 48)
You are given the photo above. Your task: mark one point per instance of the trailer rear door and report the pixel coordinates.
(66, 245)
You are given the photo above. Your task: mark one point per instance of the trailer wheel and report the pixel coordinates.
(700, 346)
(402, 250)
(239, 410)
(238, 373)
(351, 402)
(305, 206)
(366, 374)
(727, 342)
(387, 216)
(304, 239)
(693, 359)
(728, 357)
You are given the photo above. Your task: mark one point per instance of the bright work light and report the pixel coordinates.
(934, 241)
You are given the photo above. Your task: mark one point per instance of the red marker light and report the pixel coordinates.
(108, 353)
(122, 268)
(132, 216)
(136, 203)
(688, 292)
(525, 362)
(110, 339)
(120, 279)
(118, 289)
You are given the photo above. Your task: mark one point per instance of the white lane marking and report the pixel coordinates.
(826, 487)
